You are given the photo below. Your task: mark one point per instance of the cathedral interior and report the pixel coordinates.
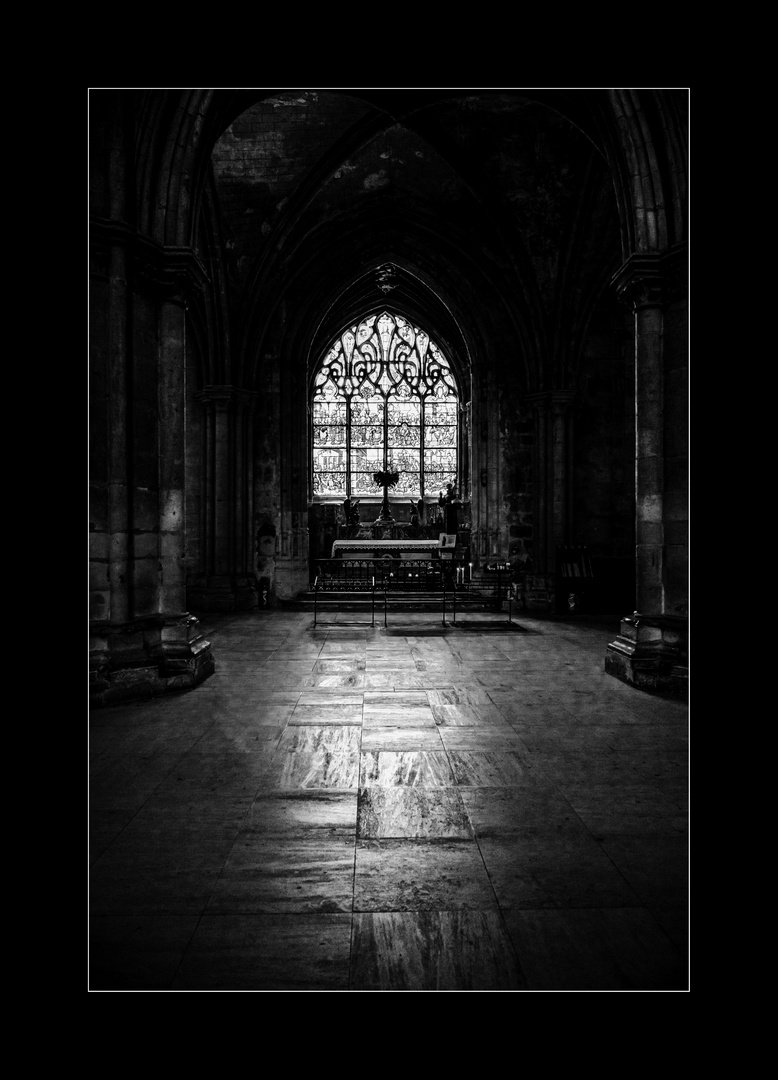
(479, 292)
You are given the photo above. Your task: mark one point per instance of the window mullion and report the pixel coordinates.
(421, 449)
(386, 433)
(348, 447)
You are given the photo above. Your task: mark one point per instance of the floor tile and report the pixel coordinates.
(314, 769)
(387, 736)
(595, 949)
(249, 738)
(305, 813)
(496, 768)
(413, 717)
(330, 737)
(412, 812)
(480, 716)
(656, 866)
(304, 873)
(138, 952)
(625, 807)
(326, 713)
(268, 952)
(533, 808)
(334, 681)
(433, 950)
(411, 767)
(421, 875)
(226, 772)
(561, 871)
(126, 888)
(480, 739)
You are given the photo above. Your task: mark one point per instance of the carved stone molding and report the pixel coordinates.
(147, 657)
(652, 279)
(651, 653)
(557, 401)
(227, 397)
(171, 273)
(385, 278)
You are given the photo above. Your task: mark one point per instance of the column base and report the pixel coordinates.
(146, 658)
(651, 653)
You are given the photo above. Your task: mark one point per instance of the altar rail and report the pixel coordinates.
(422, 580)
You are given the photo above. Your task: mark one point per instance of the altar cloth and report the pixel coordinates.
(378, 548)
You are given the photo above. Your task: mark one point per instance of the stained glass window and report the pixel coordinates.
(385, 393)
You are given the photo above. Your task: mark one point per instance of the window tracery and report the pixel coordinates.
(384, 393)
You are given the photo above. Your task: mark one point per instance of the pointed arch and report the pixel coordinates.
(384, 396)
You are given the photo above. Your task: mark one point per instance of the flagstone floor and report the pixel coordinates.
(415, 808)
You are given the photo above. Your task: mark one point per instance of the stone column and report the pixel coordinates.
(118, 523)
(553, 475)
(552, 483)
(486, 499)
(172, 407)
(148, 644)
(541, 483)
(650, 650)
(561, 473)
(226, 581)
(292, 565)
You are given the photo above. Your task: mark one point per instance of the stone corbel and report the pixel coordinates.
(170, 273)
(225, 397)
(652, 279)
(640, 282)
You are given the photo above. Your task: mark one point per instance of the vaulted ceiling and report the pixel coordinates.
(500, 201)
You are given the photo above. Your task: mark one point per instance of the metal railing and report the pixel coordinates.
(408, 578)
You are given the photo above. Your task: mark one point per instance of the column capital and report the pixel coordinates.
(652, 279)
(538, 401)
(226, 397)
(555, 400)
(561, 400)
(172, 273)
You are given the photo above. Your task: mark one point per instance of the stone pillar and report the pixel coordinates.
(650, 651)
(172, 407)
(118, 501)
(486, 490)
(226, 581)
(292, 570)
(553, 476)
(561, 473)
(541, 483)
(146, 643)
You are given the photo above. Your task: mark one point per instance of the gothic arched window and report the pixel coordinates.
(384, 395)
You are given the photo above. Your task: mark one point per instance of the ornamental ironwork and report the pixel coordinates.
(384, 392)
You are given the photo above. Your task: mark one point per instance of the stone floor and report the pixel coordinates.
(412, 808)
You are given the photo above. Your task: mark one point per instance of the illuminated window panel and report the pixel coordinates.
(384, 393)
(329, 483)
